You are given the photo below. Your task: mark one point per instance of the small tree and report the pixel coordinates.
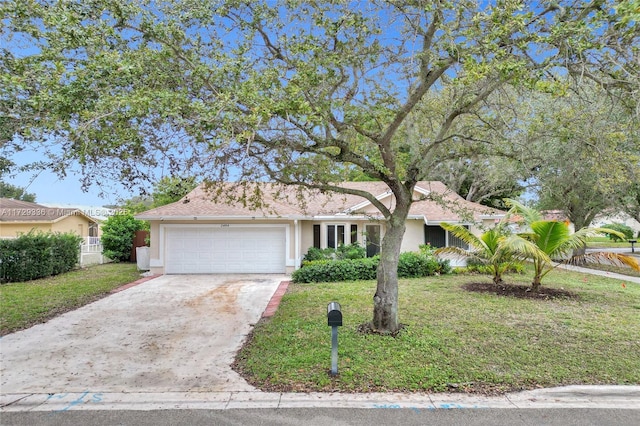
(117, 236)
(496, 248)
(555, 240)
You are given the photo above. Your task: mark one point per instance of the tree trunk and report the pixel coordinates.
(535, 285)
(577, 257)
(385, 301)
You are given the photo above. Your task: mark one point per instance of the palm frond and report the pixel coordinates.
(553, 237)
(523, 248)
(453, 250)
(611, 258)
(465, 235)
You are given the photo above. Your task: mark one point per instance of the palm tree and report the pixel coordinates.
(496, 247)
(554, 240)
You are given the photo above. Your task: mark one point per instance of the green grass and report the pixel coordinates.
(25, 304)
(605, 242)
(624, 270)
(454, 340)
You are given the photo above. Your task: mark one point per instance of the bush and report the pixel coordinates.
(37, 255)
(350, 251)
(444, 265)
(413, 265)
(410, 265)
(337, 270)
(117, 236)
(620, 227)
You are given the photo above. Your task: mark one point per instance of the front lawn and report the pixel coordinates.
(454, 339)
(25, 304)
(606, 242)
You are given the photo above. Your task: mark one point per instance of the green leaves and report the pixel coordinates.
(117, 236)
(252, 79)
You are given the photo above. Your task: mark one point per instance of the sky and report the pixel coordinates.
(51, 189)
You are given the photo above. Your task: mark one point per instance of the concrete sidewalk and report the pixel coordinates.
(602, 397)
(626, 278)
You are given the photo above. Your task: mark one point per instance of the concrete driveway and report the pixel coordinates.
(173, 333)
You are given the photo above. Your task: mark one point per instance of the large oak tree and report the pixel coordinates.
(286, 90)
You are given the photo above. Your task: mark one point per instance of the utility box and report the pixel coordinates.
(334, 314)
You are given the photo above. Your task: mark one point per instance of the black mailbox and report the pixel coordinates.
(334, 314)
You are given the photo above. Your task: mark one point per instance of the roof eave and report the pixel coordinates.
(165, 218)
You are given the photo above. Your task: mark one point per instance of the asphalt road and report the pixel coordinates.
(329, 416)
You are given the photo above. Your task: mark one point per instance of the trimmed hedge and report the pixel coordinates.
(37, 255)
(337, 270)
(410, 265)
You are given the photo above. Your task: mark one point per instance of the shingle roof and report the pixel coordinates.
(23, 211)
(434, 201)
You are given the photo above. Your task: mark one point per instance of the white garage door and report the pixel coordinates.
(213, 250)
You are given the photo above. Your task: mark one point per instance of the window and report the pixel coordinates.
(373, 240)
(435, 236)
(457, 242)
(316, 236)
(354, 234)
(438, 237)
(335, 235)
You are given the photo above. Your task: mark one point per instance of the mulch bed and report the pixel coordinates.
(520, 291)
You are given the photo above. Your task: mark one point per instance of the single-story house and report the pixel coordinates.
(197, 235)
(19, 217)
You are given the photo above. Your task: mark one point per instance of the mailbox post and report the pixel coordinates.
(632, 245)
(334, 320)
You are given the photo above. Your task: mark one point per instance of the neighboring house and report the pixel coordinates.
(20, 217)
(607, 218)
(96, 212)
(196, 235)
(516, 222)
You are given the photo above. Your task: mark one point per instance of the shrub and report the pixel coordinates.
(117, 236)
(337, 270)
(314, 254)
(413, 265)
(410, 265)
(37, 255)
(349, 251)
(444, 265)
(620, 227)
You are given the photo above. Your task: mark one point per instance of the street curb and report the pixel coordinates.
(602, 397)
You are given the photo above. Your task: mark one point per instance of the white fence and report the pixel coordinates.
(91, 252)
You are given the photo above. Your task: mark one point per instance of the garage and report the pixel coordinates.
(215, 249)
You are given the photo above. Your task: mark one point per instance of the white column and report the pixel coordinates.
(296, 254)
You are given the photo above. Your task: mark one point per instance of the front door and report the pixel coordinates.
(373, 240)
